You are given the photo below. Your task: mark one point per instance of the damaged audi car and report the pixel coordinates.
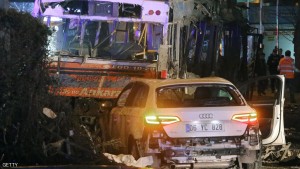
(197, 123)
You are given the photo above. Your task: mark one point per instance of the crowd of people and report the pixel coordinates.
(277, 63)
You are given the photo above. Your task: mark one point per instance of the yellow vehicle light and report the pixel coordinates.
(161, 119)
(245, 118)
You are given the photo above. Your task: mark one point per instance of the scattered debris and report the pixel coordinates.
(49, 113)
(129, 160)
(276, 154)
(289, 153)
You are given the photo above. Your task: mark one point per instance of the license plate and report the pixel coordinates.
(204, 127)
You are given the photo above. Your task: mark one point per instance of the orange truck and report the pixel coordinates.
(94, 78)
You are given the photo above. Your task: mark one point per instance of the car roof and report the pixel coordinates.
(165, 82)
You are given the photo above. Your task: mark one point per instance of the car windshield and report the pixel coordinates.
(198, 96)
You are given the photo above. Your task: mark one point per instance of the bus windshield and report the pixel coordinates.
(106, 29)
(106, 39)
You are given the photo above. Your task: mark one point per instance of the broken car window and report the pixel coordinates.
(197, 96)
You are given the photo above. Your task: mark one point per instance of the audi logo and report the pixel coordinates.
(206, 116)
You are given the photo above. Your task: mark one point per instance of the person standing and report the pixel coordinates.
(280, 53)
(273, 61)
(261, 70)
(287, 68)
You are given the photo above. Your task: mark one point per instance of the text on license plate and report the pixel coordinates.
(209, 127)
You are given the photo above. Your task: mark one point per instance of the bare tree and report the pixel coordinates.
(23, 82)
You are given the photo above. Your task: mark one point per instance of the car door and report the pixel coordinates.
(136, 109)
(269, 106)
(117, 121)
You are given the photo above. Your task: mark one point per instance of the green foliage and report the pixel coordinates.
(23, 80)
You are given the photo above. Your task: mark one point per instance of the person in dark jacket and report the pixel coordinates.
(280, 53)
(273, 61)
(261, 70)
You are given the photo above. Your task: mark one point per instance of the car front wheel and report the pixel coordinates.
(133, 149)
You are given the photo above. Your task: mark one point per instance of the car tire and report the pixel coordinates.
(133, 148)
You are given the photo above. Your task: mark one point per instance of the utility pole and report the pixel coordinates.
(277, 24)
(260, 16)
(4, 4)
(297, 39)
